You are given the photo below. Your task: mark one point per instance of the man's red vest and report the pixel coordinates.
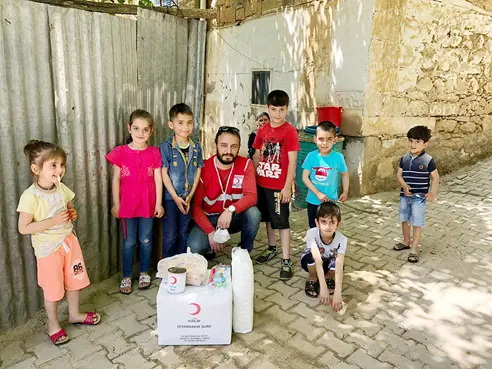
(214, 201)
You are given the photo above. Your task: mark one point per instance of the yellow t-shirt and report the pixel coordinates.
(42, 206)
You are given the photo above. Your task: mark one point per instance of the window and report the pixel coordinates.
(260, 87)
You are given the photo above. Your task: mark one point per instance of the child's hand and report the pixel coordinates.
(61, 218)
(181, 204)
(322, 197)
(285, 195)
(343, 197)
(188, 203)
(159, 211)
(430, 196)
(406, 190)
(324, 295)
(115, 210)
(72, 214)
(337, 301)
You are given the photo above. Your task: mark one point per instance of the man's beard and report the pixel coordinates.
(230, 158)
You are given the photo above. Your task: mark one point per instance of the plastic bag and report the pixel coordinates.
(195, 264)
(221, 235)
(219, 275)
(243, 290)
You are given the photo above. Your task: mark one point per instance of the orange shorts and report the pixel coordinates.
(62, 270)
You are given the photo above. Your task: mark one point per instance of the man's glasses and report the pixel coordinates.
(230, 129)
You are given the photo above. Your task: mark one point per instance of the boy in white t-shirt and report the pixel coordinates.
(323, 257)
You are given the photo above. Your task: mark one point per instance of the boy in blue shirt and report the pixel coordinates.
(419, 179)
(182, 163)
(320, 171)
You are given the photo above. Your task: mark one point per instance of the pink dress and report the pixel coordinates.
(137, 185)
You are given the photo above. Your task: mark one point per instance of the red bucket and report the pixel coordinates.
(330, 113)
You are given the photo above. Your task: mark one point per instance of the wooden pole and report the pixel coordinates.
(110, 8)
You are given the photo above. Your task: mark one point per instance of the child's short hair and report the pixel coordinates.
(327, 126)
(278, 98)
(180, 108)
(419, 133)
(329, 210)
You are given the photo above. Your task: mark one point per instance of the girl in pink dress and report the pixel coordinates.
(137, 195)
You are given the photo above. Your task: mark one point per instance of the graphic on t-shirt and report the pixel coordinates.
(321, 173)
(270, 159)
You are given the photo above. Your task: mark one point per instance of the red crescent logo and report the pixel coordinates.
(174, 280)
(198, 309)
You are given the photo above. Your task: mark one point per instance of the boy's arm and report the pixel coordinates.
(345, 184)
(195, 184)
(403, 184)
(324, 295)
(286, 192)
(256, 158)
(337, 296)
(180, 203)
(305, 179)
(431, 195)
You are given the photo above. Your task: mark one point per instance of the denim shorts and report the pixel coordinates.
(412, 209)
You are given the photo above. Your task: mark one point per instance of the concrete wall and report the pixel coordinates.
(431, 65)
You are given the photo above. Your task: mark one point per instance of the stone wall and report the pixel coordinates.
(430, 64)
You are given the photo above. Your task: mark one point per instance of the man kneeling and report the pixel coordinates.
(324, 255)
(225, 197)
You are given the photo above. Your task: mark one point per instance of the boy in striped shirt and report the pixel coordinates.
(419, 179)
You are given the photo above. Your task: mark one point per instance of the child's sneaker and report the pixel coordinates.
(286, 270)
(267, 255)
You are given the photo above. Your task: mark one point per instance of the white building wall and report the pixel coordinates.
(318, 56)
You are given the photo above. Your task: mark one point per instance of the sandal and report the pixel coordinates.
(400, 246)
(126, 286)
(330, 283)
(59, 338)
(311, 289)
(413, 258)
(144, 281)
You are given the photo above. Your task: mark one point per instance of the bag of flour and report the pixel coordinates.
(243, 291)
(195, 264)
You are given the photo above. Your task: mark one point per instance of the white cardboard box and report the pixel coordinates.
(199, 316)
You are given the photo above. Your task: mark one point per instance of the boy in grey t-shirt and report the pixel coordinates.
(323, 257)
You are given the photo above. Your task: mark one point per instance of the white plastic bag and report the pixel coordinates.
(243, 291)
(222, 235)
(195, 264)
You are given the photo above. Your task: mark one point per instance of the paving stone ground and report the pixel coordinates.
(436, 314)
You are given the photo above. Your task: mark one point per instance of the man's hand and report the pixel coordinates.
(159, 211)
(430, 196)
(285, 194)
(337, 301)
(181, 204)
(115, 210)
(61, 218)
(343, 197)
(406, 190)
(224, 221)
(324, 295)
(216, 247)
(322, 197)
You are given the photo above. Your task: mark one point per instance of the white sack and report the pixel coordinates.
(243, 291)
(195, 264)
(222, 235)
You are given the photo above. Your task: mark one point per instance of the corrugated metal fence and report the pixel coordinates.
(73, 78)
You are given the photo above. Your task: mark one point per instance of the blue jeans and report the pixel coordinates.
(175, 226)
(412, 209)
(131, 227)
(246, 222)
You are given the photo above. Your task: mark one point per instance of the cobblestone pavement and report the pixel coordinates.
(436, 314)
